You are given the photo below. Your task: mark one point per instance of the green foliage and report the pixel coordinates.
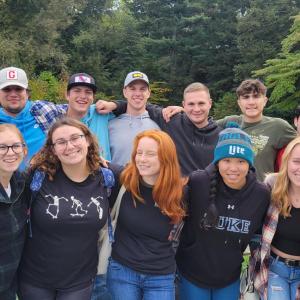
(175, 42)
(226, 106)
(47, 87)
(260, 30)
(282, 74)
(160, 92)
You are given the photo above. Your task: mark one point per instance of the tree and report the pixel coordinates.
(260, 30)
(108, 50)
(282, 74)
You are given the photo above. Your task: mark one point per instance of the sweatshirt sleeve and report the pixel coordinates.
(155, 113)
(121, 107)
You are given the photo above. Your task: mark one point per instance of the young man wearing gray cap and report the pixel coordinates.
(124, 128)
(194, 133)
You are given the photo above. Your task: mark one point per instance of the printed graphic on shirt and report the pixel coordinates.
(75, 205)
(97, 203)
(233, 224)
(259, 142)
(53, 208)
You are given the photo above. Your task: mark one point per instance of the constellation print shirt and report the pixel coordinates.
(66, 219)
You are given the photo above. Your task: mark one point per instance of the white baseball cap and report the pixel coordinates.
(13, 76)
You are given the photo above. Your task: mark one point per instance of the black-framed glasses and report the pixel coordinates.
(75, 140)
(17, 148)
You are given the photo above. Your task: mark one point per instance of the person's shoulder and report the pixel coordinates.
(200, 174)
(270, 180)
(233, 118)
(263, 191)
(276, 121)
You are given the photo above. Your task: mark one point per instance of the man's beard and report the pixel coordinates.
(13, 110)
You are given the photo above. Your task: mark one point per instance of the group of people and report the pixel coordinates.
(177, 174)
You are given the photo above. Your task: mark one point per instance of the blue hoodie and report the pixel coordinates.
(30, 129)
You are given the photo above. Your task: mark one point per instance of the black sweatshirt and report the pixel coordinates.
(212, 258)
(195, 146)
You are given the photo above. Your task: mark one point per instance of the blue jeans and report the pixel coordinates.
(100, 291)
(190, 291)
(283, 280)
(125, 283)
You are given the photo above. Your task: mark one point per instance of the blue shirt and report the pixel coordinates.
(33, 134)
(98, 124)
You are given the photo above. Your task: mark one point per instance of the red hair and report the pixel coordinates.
(168, 188)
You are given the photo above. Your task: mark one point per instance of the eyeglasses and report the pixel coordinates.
(17, 89)
(75, 140)
(17, 148)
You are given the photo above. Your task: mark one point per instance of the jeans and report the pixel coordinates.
(283, 280)
(100, 291)
(125, 283)
(190, 291)
(30, 292)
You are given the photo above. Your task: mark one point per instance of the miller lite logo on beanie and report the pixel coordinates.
(234, 142)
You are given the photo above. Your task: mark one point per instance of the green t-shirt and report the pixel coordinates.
(267, 136)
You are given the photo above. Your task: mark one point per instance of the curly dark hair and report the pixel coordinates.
(46, 160)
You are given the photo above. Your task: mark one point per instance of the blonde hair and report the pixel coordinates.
(280, 191)
(195, 87)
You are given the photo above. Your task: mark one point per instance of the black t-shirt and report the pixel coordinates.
(141, 236)
(66, 217)
(287, 238)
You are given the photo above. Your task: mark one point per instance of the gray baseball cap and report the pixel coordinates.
(13, 76)
(135, 75)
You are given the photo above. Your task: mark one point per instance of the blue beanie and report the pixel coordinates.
(234, 142)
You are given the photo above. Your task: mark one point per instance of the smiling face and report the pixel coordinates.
(233, 171)
(252, 106)
(137, 93)
(80, 98)
(13, 99)
(293, 166)
(147, 161)
(70, 146)
(10, 160)
(197, 105)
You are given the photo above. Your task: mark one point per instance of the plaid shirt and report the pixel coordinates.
(47, 113)
(262, 256)
(13, 216)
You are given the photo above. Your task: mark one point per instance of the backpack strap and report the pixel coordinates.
(35, 185)
(109, 182)
(109, 179)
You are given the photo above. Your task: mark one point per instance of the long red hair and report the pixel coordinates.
(168, 188)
